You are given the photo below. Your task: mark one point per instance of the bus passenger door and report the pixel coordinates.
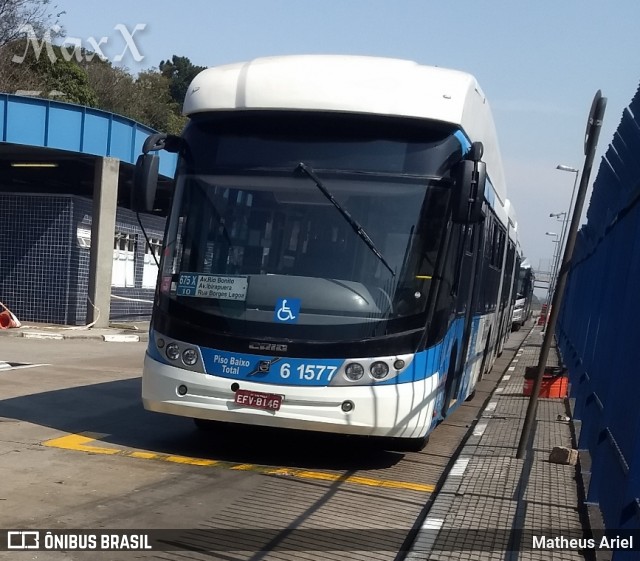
(469, 293)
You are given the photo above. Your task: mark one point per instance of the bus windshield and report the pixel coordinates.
(255, 246)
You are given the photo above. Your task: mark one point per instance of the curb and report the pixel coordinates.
(78, 335)
(427, 534)
(121, 338)
(42, 335)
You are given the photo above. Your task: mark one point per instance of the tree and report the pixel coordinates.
(180, 71)
(145, 98)
(59, 78)
(68, 82)
(114, 87)
(14, 77)
(154, 104)
(15, 15)
(51, 71)
(17, 19)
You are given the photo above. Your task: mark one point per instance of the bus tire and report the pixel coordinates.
(485, 358)
(471, 395)
(410, 444)
(449, 389)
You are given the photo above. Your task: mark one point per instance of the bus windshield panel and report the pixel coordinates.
(253, 243)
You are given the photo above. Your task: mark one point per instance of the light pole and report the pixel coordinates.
(594, 123)
(556, 260)
(563, 234)
(552, 273)
(565, 222)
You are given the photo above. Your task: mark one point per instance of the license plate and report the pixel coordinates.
(258, 400)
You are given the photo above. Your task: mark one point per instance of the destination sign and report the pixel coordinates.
(212, 286)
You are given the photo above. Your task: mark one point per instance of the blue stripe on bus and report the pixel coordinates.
(463, 140)
(490, 194)
(319, 372)
(465, 146)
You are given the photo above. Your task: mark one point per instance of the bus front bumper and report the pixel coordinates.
(401, 410)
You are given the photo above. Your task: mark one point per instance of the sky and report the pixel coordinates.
(539, 63)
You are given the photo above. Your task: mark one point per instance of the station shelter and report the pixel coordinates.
(71, 250)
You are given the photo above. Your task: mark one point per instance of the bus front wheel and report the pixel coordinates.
(410, 444)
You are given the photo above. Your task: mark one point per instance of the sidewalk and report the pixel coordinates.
(492, 504)
(120, 332)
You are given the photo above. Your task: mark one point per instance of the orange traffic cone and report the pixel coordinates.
(7, 319)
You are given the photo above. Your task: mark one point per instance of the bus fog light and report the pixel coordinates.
(347, 406)
(190, 357)
(173, 351)
(160, 343)
(182, 389)
(354, 371)
(379, 370)
(399, 364)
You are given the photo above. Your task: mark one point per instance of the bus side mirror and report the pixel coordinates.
(470, 177)
(145, 183)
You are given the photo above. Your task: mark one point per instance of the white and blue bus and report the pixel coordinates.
(524, 295)
(338, 254)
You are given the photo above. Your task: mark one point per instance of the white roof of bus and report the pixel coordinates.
(355, 84)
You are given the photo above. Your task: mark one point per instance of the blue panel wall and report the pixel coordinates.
(26, 122)
(35, 250)
(121, 140)
(62, 127)
(44, 270)
(53, 124)
(95, 137)
(599, 330)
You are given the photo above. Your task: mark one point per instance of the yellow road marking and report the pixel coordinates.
(81, 442)
(189, 461)
(144, 455)
(244, 467)
(356, 479)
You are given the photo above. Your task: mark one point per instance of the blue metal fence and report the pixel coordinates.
(599, 331)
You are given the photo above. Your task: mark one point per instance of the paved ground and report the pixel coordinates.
(78, 451)
(74, 440)
(492, 504)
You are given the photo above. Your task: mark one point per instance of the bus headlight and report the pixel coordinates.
(190, 357)
(379, 370)
(173, 351)
(354, 371)
(399, 364)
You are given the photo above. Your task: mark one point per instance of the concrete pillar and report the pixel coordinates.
(103, 223)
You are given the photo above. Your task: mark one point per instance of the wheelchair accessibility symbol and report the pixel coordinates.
(287, 310)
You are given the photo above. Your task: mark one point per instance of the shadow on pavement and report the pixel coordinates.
(114, 409)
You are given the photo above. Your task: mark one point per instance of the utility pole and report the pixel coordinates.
(594, 125)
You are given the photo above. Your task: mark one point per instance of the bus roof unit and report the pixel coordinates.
(355, 84)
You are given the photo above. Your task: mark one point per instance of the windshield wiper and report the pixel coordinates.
(357, 228)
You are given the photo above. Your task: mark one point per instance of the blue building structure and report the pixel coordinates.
(599, 331)
(71, 251)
